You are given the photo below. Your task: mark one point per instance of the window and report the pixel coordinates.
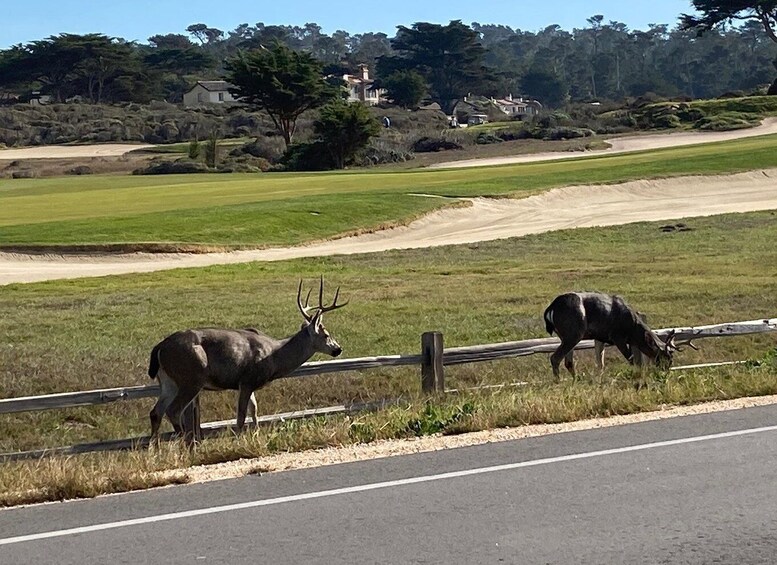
(221, 97)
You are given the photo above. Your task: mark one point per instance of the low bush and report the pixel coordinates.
(380, 152)
(181, 166)
(80, 170)
(558, 133)
(269, 148)
(307, 157)
(487, 138)
(430, 144)
(157, 122)
(726, 122)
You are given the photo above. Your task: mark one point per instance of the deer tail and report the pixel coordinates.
(153, 364)
(549, 320)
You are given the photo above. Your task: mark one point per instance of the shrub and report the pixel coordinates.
(379, 153)
(194, 149)
(180, 166)
(514, 134)
(212, 150)
(307, 157)
(666, 121)
(556, 134)
(688, 113)
(726, 122)
(234, 167)
(430, 144)
(256, 162)
(269, 148)
(80, 170)
(487, 138)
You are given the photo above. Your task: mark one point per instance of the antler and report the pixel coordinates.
(688, 342)
(334, 305)
(305, 310)
(669, 342)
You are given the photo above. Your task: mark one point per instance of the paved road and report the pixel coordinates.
(698, 489)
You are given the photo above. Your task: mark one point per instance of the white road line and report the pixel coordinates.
(375, 486)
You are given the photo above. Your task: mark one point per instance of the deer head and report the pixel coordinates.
(321, 340)
(662, 350)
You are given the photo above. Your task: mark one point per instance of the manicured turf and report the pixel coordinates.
(285, 208)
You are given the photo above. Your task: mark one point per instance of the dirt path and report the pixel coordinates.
(623, 145)
(485, 219)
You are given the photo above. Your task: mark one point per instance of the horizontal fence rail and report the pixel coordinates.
(208, 429)
(432, 359)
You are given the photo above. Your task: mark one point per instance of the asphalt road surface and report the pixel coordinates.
(696, 489)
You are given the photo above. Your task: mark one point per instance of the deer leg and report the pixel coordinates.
(637, 358)
(245, 397)
(251, 409)
(564, 351)
(166, 395)
(599, 358)
(625, 350)
(181, 401)
(599, 354)
(569, 363)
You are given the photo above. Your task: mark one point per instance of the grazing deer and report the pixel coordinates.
(608, 320)
(189, 361)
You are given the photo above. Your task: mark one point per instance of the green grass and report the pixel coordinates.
(278, 209)
(96, 333)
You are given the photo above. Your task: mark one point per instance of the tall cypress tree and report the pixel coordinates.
(449, 57)
(282, 82)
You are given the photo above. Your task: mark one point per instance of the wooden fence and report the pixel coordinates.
(433, 358)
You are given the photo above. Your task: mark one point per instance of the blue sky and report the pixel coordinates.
(24, 21)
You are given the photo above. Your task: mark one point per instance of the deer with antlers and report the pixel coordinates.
(192, 360)
(608, 320)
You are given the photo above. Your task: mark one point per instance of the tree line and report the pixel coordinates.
(604, 60)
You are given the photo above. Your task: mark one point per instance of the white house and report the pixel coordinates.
(518, 107)
(360, 87)
(208, 92)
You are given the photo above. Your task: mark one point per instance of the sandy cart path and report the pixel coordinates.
(70, 151)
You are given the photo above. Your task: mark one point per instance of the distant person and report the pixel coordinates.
(386, 122)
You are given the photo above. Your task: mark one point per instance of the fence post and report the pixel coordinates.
(432, 372)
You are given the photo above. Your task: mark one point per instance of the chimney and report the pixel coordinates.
(365, 71)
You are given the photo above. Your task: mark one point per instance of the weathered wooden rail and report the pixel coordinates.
(432, 360)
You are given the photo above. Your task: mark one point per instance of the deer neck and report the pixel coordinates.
(292, 353)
